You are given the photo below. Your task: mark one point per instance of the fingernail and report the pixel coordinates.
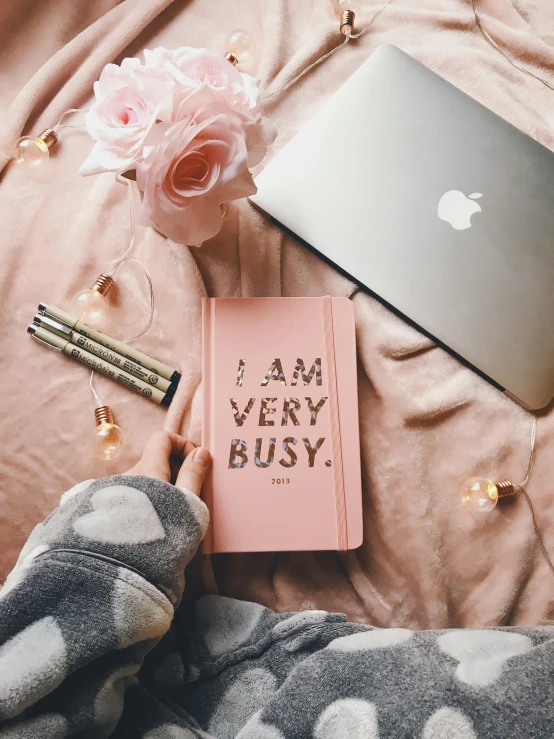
(202, 456)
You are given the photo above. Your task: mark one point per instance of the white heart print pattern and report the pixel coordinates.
(120, 515)
(482, 654)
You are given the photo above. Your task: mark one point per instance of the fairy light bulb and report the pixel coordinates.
(241, 49)
(345, 11)
(481, 494)
(109, 439)
(33, 152)
(91, 305)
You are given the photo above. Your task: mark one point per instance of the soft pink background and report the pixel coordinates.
(425, 420)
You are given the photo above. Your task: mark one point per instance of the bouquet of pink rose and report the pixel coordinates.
(186, 125)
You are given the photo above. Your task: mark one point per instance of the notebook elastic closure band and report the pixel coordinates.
(336, 440)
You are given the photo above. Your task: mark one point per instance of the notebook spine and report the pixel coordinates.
(336, 435)
(208, 318)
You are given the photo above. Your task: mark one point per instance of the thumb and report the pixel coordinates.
(193, 470)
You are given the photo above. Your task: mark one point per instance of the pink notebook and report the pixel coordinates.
(281, 422)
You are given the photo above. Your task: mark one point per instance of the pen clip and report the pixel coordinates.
(52, 324)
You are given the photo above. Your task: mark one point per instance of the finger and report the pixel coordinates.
(157, 452)
(164, 444)
(163, 451)
(179, 444)
(190, 447)
(181, 448)
(176, 459)
(193, 470)
(155, 457)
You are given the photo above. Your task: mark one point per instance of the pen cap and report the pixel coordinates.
(58, 314)
(47, 337)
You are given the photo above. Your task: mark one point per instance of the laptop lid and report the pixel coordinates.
(438, 206)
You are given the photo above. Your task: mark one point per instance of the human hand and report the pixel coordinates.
(173, 458)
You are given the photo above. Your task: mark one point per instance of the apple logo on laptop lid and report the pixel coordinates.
(456, 208)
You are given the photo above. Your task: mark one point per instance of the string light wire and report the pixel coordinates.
(348, 36)
(116, 263)
(372, 21)
(127, 257)
(308, 69)
(59, 126)
(97, 399)
(520, 487)
(537, 530)
(489, 39)
(525, 480)
(353, 36)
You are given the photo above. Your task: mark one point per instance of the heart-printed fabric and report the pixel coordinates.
(371, 639)
(120, 515)
(348, 718)
(448, 723)
(226, 623)
(482, 654)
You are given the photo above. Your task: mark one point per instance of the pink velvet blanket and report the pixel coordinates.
(426, 421)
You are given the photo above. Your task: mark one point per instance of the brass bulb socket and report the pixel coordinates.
(505, 488)
(347, 22)
(231, 58)
(103, 284)
(103, 414)
(46, 139)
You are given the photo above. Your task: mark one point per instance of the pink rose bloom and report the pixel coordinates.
(192, 68)
(189, 124)
(129, 99)
(190, 168)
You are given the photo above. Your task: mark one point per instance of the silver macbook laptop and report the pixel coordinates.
(436, 205)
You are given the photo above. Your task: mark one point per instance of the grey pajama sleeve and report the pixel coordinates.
(94, 589)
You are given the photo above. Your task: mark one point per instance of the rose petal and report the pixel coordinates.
(258, 138)
(103, 158)
(189, 226)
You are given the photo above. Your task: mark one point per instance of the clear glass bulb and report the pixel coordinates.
(242, 45)
(357, 6)
(109, 441)
(480, 494)
(91, 307)
(339, 6)
(31, 152)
